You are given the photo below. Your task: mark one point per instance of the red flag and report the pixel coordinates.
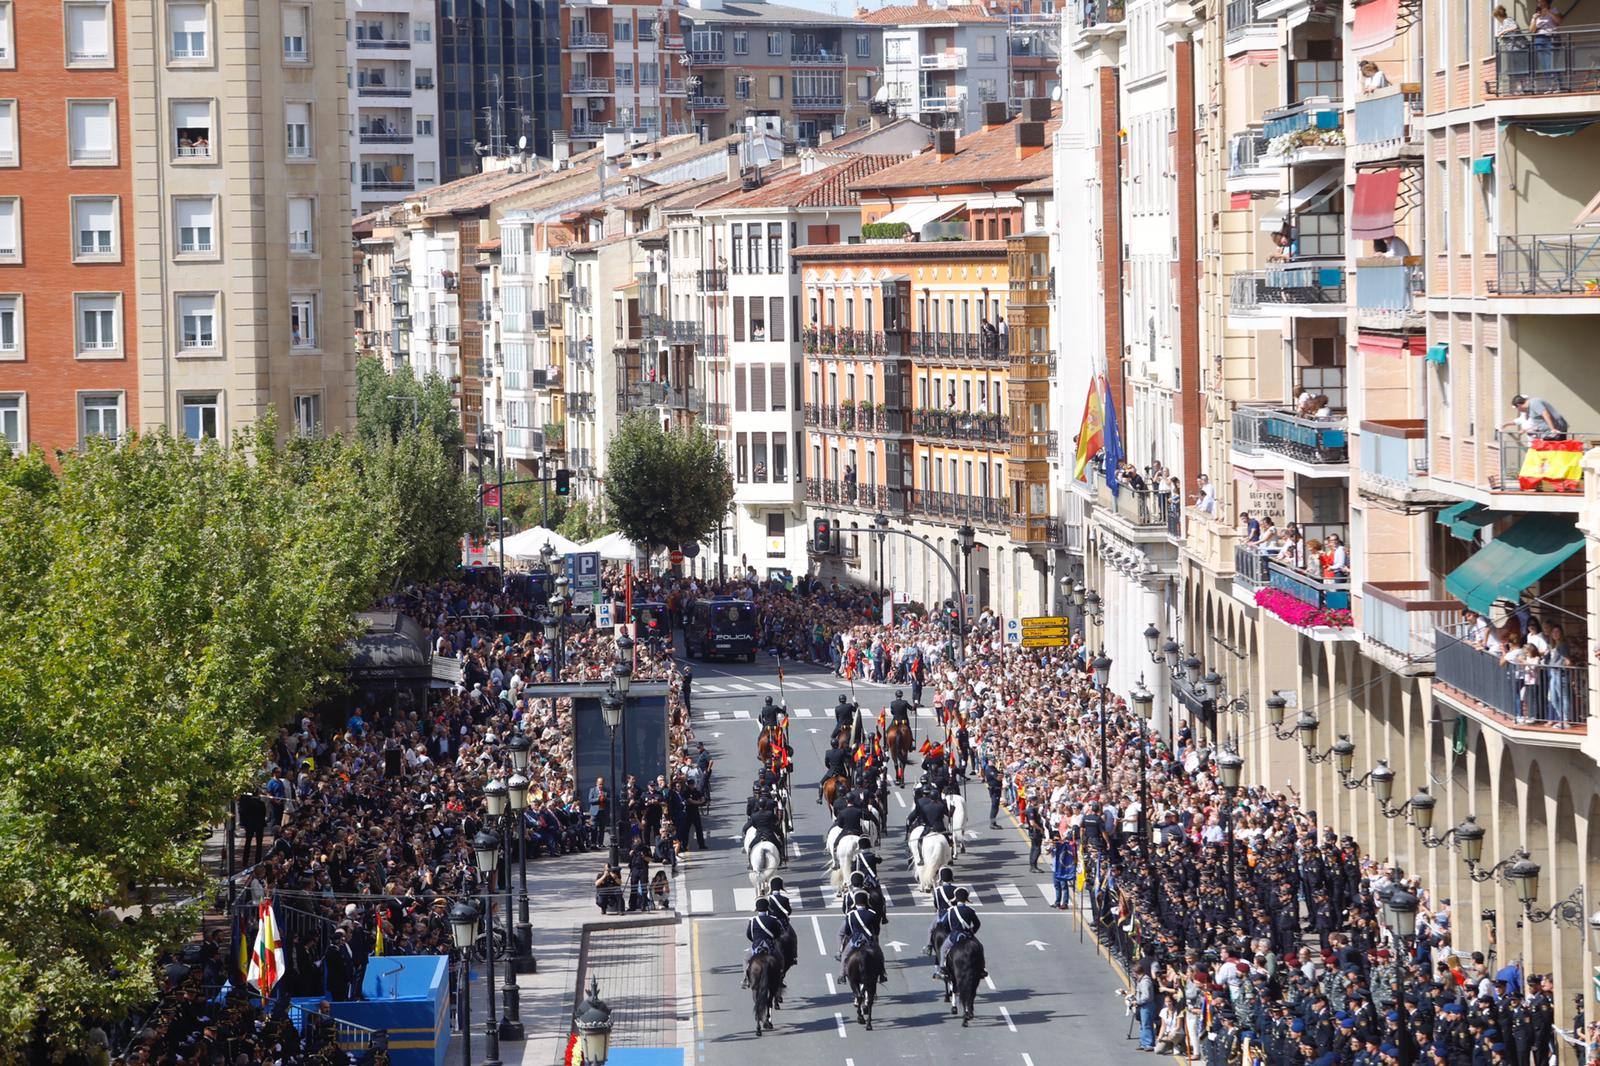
(925, 745)
(491, 495)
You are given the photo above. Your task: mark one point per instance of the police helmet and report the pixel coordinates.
(947, 875)
(857, 879)
(777, 884)
(769, 701)
(962, 894)
(763, 905)
(843, 698)
(899, 692)
(861, 899)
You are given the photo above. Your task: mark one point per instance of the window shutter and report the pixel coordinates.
(738, 318)
(775, 318)
(738, 388)
(758, 389)
(779, 382)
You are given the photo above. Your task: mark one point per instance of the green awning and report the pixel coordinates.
(1465, 519)
(1438, 353)
(1484, 164)
(1514, 561)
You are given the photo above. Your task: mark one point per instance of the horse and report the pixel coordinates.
(956, 807)
(770, 736)
(929, 855)
(830, 790)
(963, 969)
(763, 865)
(842, 851)
(764, 974)
(898, 741)
(861, 968)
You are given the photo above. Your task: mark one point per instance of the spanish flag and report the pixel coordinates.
(926, 744)
(574, 1056)
(1083, 870)
(377, 934)
(1091, 432)
(1552, 466)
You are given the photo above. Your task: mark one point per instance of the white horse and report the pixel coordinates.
(842, 848)
(930, 854)
(763, 866)
(956, 808)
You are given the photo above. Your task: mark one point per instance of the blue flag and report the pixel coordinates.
(1113, 439)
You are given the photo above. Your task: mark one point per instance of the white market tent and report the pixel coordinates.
(530, 542)
(613, 548)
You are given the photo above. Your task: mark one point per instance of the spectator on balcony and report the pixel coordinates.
(1321, 407)
(1504, 25)
(1545, 24)
(1294, 550)
(1391, 248)
(1206, 498)
(1252, 529)
(1537, 419)
(1313, 557)
(990, 335)
(1372, 78)
(1338, 567)
(1476, 628)
(1558, 679)
(1271, 539)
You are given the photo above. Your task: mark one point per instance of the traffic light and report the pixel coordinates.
(563, 482)
(952, 615)
(822, 536)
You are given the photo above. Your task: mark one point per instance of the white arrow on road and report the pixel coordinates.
(813, 731)
(1037, 944)
(896, 945)
(714, 736)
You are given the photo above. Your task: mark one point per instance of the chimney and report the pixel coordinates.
(560, 150)
(1030, 139)
(735, 168)
(1036, 109)
(944, 143)
(996, 113)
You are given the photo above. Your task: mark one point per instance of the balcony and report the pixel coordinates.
(1565, 62)
(1147, 510)
(1093, 13)
(1384, 130)
(1555, 264)
(1394, 459)
(1387, 291)
(383, 89)
(1305, 132)
(674, 87)
(849, 343)
(1309, 290)
(849, 417)
(387, 185)
(711, 57)
(708, 103)
(819, 103)
(586, 130)
(978, 428)
(685, 399)
(991, 511)
(717, 414)
(818, 59)
(673, 42)
(944, 103)
(1547, 698)
(682, 332)
(1249, 167)
(647, 393)
(1314, 442)
(589, 42)
(715, 346)
(585, 86)
(1514, 451)
(367, 41)
(580, 403)
(1249, 567)
(1244, 17)
(1038, 531)
(711, 280)
(934, 347)
(1400, 621)
(949, 59)
(372, 136)
(847, 493)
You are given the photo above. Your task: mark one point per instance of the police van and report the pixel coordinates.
(721, 628)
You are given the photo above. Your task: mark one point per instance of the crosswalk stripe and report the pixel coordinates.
(700, 901)
(769, 687)
(818, 898)
(737, 687)
(1012, 895)
(711, 716)
(974, 897)
(703, 687)
(741, 714)
(744, 899)
(1048, 892)
(801, 712)
(925, 712)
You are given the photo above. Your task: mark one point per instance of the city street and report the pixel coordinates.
(1048, 989)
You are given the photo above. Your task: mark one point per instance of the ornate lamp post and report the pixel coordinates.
(593, 1022)
(486, 850)
(464, 931)
(1400, 913)
(1230, 764)
(1102, 680)
(517, 795)
(1144, 700)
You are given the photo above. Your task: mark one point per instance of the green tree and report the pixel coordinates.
(389, 404)
(665, 488)
(166, 607)
(582, 523)
(416, 483)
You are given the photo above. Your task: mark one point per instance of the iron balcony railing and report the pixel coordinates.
(717, 414)
(847, 492)
(1246, 151)
(1514, 450)
(1096, 12)
(1253, 290)
(1310, 440)
(1320, 114)
(854, 417)
(1244, 15)
(712, 280)
(707, 57)
(589, 41)
(582, 86)
(933, 345)
(682, 332)
(984, 510)
(1330, 593)
(1526, 693)
(961, 426)
(580, 403)
(1249, 566)
(1567, 61)
(818, 103)
(1247, 426)
(818, 59)
(1549, 264)
(708, 103)
(385, 137)
(674, 86)
(832, 340)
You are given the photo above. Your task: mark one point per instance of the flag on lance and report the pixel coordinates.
(266, 956)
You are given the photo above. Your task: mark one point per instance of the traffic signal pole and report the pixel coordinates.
(563, 483)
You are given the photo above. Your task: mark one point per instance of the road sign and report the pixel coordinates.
(602, 615)
(1040, 625)
(1044, 642)
(1013, 630)
(583, 571)
(676, 557)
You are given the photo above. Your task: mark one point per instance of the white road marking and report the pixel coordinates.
(794, 848)
(802, 712)
(816, 927)
(973, 897)
(709, 688)
(833, 989)
(744, 899)
(900, 799)
(743, 715)
(769, 687)
(990, 982)
(1048, 892)
(1027, 1059)
(840, 1019)
(738, 687)
(1007, 1016)
(700, 901)
(925, 712)
(711, 716)
(1012, 896)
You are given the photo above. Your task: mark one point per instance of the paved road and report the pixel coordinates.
(1048, 996)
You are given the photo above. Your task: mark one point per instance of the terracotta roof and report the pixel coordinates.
(828, 187)
(926, 15)
(756, 11)
(659, 232)
(1043, 185)
(863, 133)
(700, 193)
(646, 197)
(981, 156)
(912, 250)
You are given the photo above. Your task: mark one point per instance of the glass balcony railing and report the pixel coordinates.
(1381, 119)
(1278, 288)
(1567, 61)
(1387, 287)
(1314, 116)
(1332, 594)
(1244, 15)
(1403, 618)
(1393, 456)
(1310, 440)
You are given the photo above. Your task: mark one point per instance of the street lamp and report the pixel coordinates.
(1400, 911)
(1230, 764)
(592, 1019)
(463, 920)
(1144, 700)
(1089, 830)
(1152, 642)
(1276, 706)
(611, 709)
(968, 537)
(517, 795)
(486, 850)
(1102, 679)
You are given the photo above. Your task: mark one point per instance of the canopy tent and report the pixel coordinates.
(613, 548)
(1514, 561)
(1377, 24)
(530, 543)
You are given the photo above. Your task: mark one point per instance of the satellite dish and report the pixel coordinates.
(1500, 612)
(522, 143)
(1055, 94)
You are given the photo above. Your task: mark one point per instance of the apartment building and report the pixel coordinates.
(941, 64)
(624, 65)
(394, 100)
(792, 72)
(909, 355)
(499, 78)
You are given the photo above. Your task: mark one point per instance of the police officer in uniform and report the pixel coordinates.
(765, 822)
(765, 933)
(770, 714)
(782, 908)
(959, 921)
(837, 762)
(928, 813)
(900, 709)
(844, 719)
(860, 928)
(944, 897)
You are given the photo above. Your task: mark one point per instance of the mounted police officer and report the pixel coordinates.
(944, 897)
(782, 909)
(765, 933)
(844, 719)
(837, 762)
(900, 709)
(928, 814)
(959, 922)
(859, 929)
(770, 714)
(765, 822)
(758, 792)
(936, 770)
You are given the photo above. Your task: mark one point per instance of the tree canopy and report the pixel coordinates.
(390, 403)
(665, 488)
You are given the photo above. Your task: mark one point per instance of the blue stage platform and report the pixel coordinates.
(408, 995)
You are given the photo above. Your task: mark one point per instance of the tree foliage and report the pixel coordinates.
(665, 488)
(166, 607)
(390, 404)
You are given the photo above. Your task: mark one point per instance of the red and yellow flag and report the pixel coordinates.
(1091, 431)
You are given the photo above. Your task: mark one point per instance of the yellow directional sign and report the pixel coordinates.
(1053, 640)
(1044, 624)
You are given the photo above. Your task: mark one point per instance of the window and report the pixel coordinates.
(308, 414)
(302, 239)
(296, 24)
(986, 90)
(197, 322)
(735, 233)
(864, 87)
(738, 324)
(623, 31)
(424, 126)
(97, 323)
(778, 392)
(8, 54)
(742, 86)
(741, 42)
(10, 326)
(91, 126)
(88, 33)
(425, 172)
(13, 422)
(775, 322)
(188, 25)
(863, 46)
(422, 32)
(94, 225)
(758, 454)
(774, 248)
(775, 86)
(739, 374)
(200, 416)
(424, 79)
(647, 28)
(191, 129)
(624, 75)
(303, 321)
(650, 73)
(10, 230)
(8, 133)
(194, 218)
(986, 46)
(754, 247)
(297, 120)
(758, 332)
(100, 415)
(774, 43)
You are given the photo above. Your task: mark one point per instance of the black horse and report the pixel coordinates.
(765, 976)
(963, 969)
(862, 968)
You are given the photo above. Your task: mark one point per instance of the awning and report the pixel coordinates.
(1465, 519)
(1303, 199)
(1438, 354)
(1377, 24)
(1508, 565)
(1391, 344)
(917, 215)
(1590, 215)
(1552, 127)
(990, 203)
(1376, 194)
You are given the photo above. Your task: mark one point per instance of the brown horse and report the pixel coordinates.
(898, 741)
(830, 789)
(771, 739)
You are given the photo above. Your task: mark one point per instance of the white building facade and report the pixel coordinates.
(394, 101)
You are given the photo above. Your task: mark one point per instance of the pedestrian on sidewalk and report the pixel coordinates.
(253, 820)
(1035, 823)
(695, 807)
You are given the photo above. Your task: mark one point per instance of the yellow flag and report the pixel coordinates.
(377, 937)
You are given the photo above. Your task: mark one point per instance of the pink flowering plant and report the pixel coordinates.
(1299, 613)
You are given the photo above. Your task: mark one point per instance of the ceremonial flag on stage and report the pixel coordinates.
(266, 957)
(1090, 431)
(377, 934)
(241, 947)
(1083, 871)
